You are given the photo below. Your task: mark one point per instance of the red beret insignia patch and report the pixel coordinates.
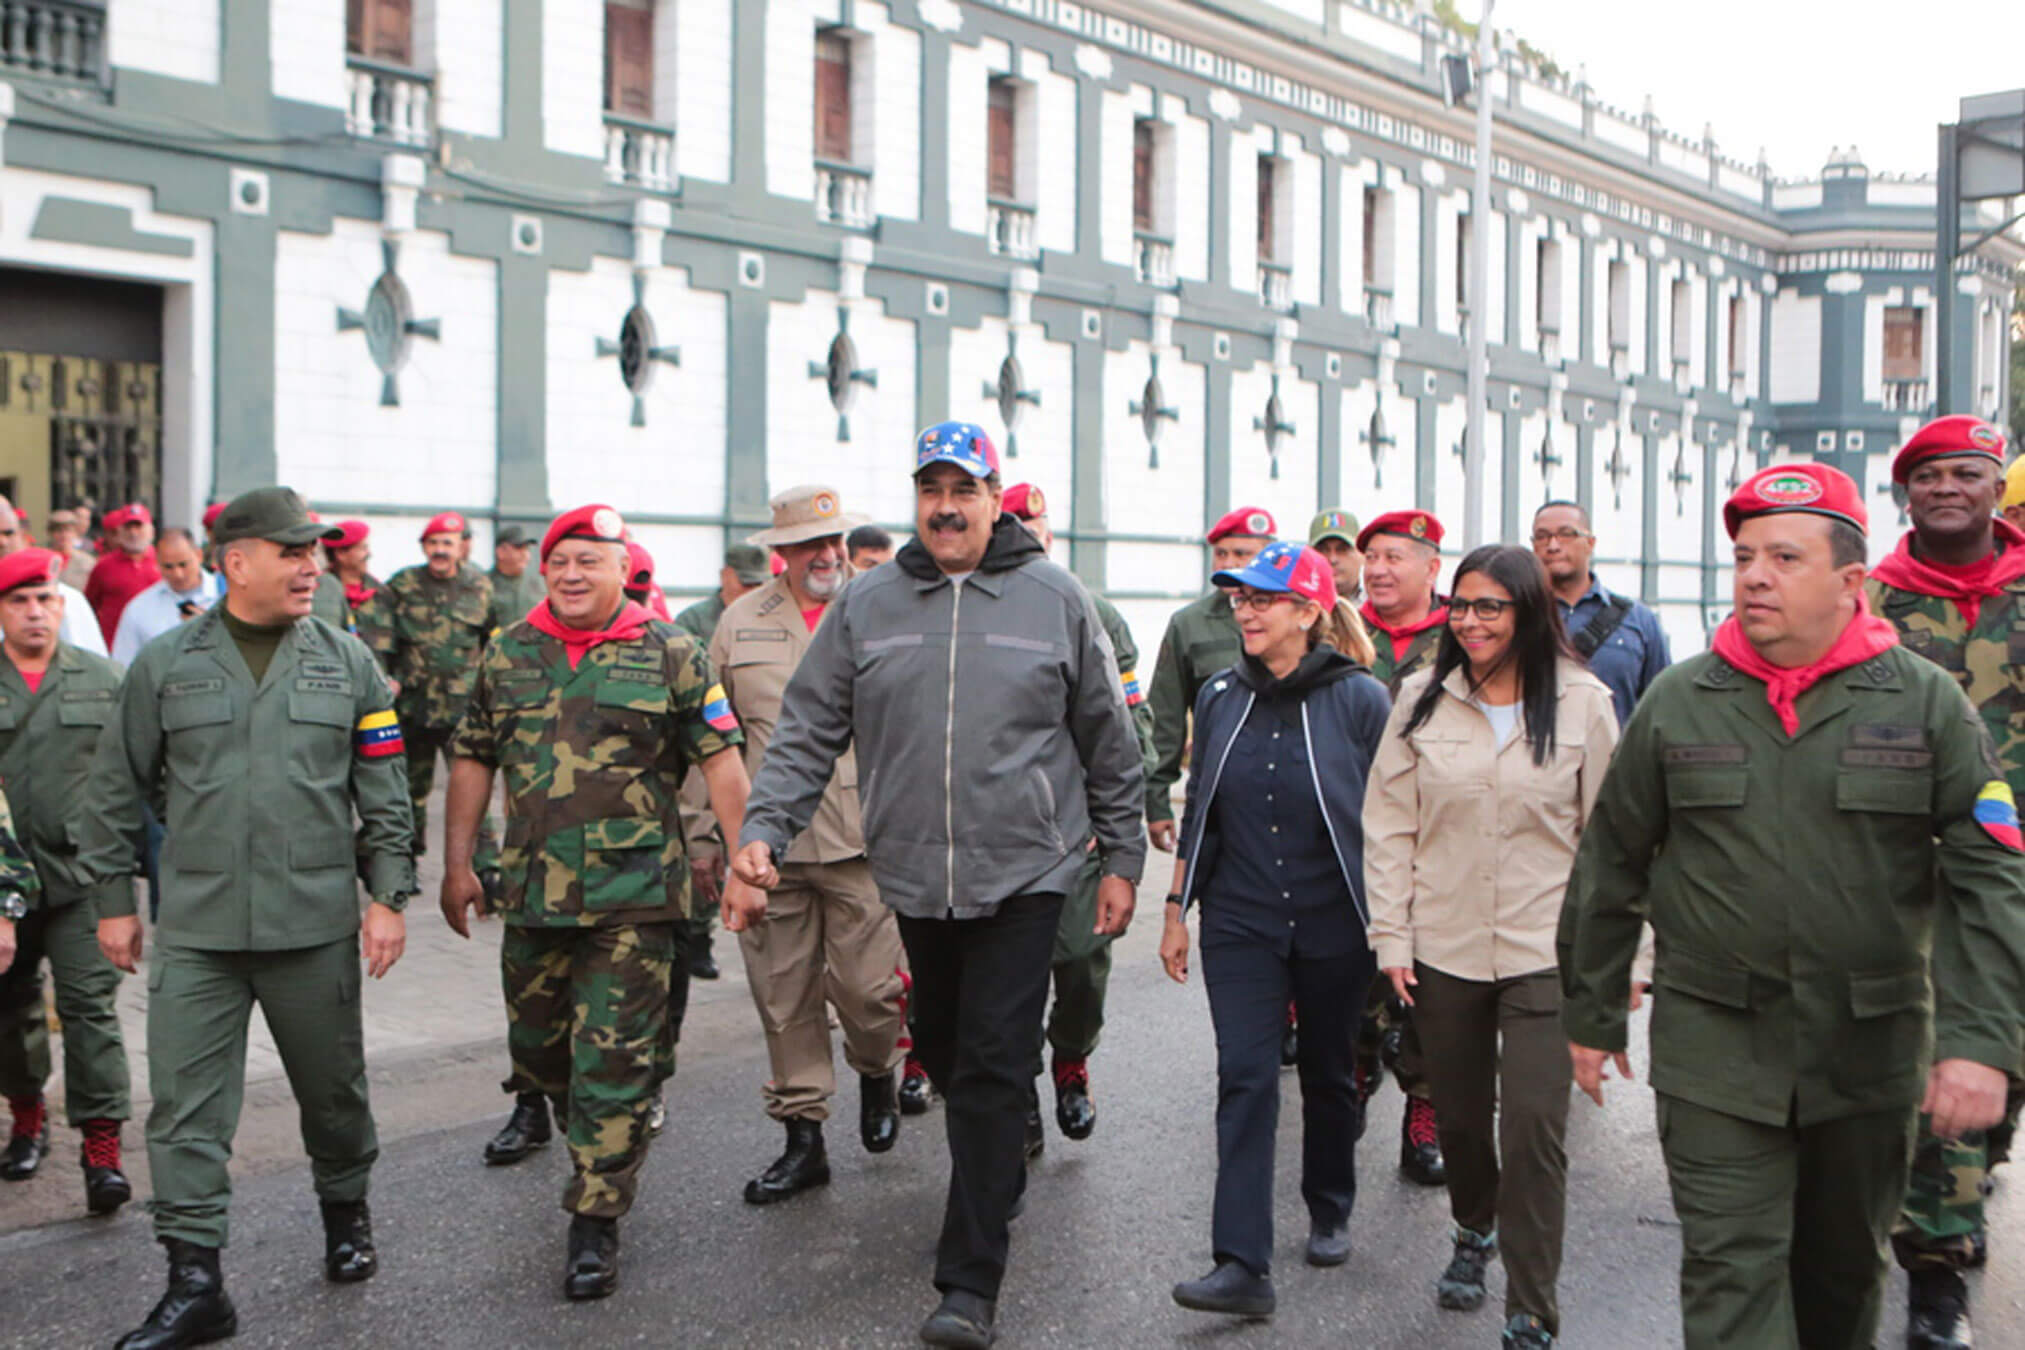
(1417, 527)
(1256, 523)
(1986, 437)
(1790, 489)
(607, 523)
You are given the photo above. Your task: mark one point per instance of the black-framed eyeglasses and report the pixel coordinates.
(1258, 600)
(1567, 534)
(1486, 610)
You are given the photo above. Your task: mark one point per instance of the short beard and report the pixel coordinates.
(824, 584)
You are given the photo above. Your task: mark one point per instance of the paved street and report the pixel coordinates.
(472, 1255)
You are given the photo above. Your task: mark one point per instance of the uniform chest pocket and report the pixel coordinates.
(1703, 788)
(187, 712)
(320, 709)
(622, 865)
(626, 695)
(10, 715)
(1900, 793)
(93, 713)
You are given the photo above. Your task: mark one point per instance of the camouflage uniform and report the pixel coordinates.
(595, 877)
(1942, 1222)
(429, 633)
(706, 843)
(513, 597)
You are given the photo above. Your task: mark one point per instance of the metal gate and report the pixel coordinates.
(79, 430)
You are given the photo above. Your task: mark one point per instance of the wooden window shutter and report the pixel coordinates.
(381, 30)
(1268, 172)
(629, 60)
(833, 97)
(1142, 175)
(1370, 237)
(1739, 334)
(1004, 107)
(1903, 348)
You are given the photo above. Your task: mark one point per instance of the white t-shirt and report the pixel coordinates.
(1504, 719)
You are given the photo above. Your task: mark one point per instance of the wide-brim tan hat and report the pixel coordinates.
(804, 513)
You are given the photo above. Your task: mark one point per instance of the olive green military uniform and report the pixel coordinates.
(428, 632)
(706, 841)
(1942, 1222)
(1808, 968)
(46, 743)
(329, 603)
(595, 880)
(1082, 958)
(259, 902)
(1201, 639)
(513, 597)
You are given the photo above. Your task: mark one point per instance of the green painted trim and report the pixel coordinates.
(243, 343)
(521, 444)
(1088, 555)
(748, 317)
(66, 220)
(1217, 400)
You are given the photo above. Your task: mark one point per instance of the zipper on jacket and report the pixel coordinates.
(1322, 804)
(1208, 796)
(949, 753)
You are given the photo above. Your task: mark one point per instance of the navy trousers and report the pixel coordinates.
(1249, 984)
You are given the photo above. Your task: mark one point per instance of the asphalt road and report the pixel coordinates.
(471, 1256)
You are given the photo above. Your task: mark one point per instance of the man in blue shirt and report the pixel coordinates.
(1620, 638)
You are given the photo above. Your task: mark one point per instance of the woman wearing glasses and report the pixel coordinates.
(1272, 848)
(1489, 767)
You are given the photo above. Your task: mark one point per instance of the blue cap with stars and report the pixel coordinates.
(963, 444)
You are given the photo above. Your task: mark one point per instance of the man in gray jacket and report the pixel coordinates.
(992, 739)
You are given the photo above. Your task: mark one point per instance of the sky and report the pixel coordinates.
(1795, 76)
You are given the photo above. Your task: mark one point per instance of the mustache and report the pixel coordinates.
(947, 520)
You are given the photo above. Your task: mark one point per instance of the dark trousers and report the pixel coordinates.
(1783, 1226)
(1497, 1060)
(980, 986)
(1082, 969)
(1249, 985)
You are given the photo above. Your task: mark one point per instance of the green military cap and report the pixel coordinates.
(274, 513)
(1334, 523)
(748, 562)
(517, 536)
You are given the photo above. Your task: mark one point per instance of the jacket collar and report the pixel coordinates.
(1825, 702)
(207, 635)
(1012, 546)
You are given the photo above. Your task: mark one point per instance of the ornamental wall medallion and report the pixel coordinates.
(637, 350)
(389, 324)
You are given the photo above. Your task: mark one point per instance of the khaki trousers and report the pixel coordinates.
(827, 938)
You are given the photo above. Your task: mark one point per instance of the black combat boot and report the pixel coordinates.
(1937, 1310)
(916, 1092)
(106, 1187)
(702, 965)
(803, 1166)
(878, 1112)
(1420, 1145)
(962, 1322)
(1075, 1113)
(593, 1269)
(196, 1310)
(525, 1131)
(29, 1141)
(348, 1254)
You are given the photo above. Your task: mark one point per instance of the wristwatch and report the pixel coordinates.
(394, 900)
(13, 907)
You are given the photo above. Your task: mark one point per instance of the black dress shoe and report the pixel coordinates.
(702, 965)
(803, 1166)
(526, 1130)
(593, 1268)
(1328, 1246)
(964, 1321)
(196, 1310)
(1937, 1311)
(106, 1189)
(1037, 1134)
(24, 1153)
(878, 1112)
(1230, 1288)
(1075, 1113)
(348, 1254)
(916, 1092)
(1420, 1157)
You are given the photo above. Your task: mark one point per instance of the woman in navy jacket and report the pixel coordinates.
(1272, 845)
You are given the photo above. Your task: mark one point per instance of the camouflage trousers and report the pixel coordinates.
(1941, 1224)
(586, 1012)
(1386, 1040)
(425, 745)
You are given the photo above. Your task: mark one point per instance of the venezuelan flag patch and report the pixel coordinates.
(717, 710)
(1133, 695)
(379, 735)
(1997, 813)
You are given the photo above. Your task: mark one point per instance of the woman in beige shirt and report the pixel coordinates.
(1489, 766)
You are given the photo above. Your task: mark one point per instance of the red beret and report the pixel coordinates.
(449, 522)
(1419, 525)
(131, 513)
(597, 522)
(776, 564)
(1812, 489)
(30, 566)
(1255, 521)
(211, 514)
(1946, 437)
(1024, 501)
(639, 566)
(349, 532)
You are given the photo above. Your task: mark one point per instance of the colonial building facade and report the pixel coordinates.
(678, 254)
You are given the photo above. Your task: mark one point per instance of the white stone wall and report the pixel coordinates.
(1307, 222)
(333, 439)
(1795, 376)
(178, 38)
(305, 43)
(573, 77)
(1293, 496)
(1188, 170)
(1238, 215)
(701, 99)
(1115, 148)
(1617, 515)
(1046, 439)
(1167, 501)
(969, 137)
(888, 91)
(790, 98)
(464, 43)
(1057, 148)
(871, 469)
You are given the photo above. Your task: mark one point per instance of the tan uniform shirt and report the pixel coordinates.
(1467, 846)
(758, 643)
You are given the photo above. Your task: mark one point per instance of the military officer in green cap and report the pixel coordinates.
(1779, 810)
(266, 731)
(1333, 534)
(594, 710)
(516, 587)
(54, 701)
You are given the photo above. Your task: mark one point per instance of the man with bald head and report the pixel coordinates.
(80, 629)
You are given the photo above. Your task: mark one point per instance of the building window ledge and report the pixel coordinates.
(639, 153)
(1153, 260)
(386, 102)
(1009, 229)
(1276, 286)
(1907, 396)
(844, 195)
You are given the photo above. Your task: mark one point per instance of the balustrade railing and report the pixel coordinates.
(1276, 286)
(53, 39)
(1907, 396)
(388, 102)
(1153, 259)
(1009, 230)
(638, 153)
(843, 195)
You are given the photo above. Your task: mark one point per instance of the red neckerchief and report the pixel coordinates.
(1865, 636)
(1967, 586)
(1403, 636)
(357, 593)
(629, 623)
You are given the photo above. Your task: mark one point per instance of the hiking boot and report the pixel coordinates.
(1527, 1332)
(1420, 1145)
(195, 1310)
(29, 1141)
(1461, 1286)
(526, 1130)
(802, 1166)
(106, 1187)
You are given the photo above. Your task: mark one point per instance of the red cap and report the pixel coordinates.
(449, 522)
(211, 514)
(596, 522)
(1946, 437)
(639, 566)
(1420, 525)
(1812, 489)
(1255, 521)
(131, 513)
(1024, 501)
(350, 532)
(30, 566)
